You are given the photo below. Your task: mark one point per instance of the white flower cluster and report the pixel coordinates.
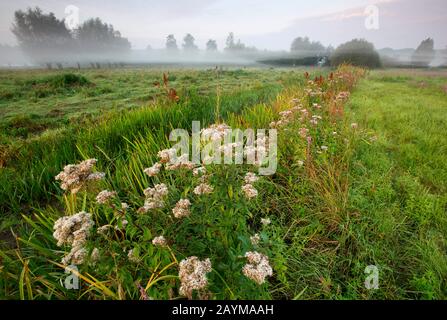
(103, 229)
(199, 171)
(265, 221)
(249, 191)
(181, 209)
(192, 275)
(342, 96)
(314, 90)
(285, 117)
(215, 132)
(159, 241)
(73, 230)
(154, 198)
(181, 162)
(169, 158)
(255, 239)
(75, 177)
(314, 120)
(95, 255)
(124, 206)
(105, 196)
(256, 152)
(132, 256)
(167, 154)
(251, 177)
(154, 170)
(203, 188)
(258, 267)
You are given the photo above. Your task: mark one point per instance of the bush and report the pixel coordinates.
(424, 54)
(357, 52)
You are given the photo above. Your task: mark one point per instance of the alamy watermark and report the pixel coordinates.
(372, 278)
(372, 17)
(71, 282)
(72, 18)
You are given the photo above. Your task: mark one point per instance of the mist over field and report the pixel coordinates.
(81, 35)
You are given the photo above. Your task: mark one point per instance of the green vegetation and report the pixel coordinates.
(357, 52)
(399, 183)
(53, 99)
(31, 163)
(367, 188)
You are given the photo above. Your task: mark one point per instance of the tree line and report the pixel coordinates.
(45, 38)
(189, 44)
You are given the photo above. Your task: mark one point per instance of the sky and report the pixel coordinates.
(266, 24)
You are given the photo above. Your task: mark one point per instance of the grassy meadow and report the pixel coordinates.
(361, 180)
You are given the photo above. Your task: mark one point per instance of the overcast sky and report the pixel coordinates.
(266, 24)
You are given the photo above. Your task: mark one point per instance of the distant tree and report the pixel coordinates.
(230, 41)
(305, 47)
(96, 36)
(41, 36)
(231, 45)
(171, 43)
(148, 47)
(211, 45)
(357, 52)
(188, 43)
(239, 46)
(424, 54)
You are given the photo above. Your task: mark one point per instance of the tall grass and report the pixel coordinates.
(28, 178)
(220, 225)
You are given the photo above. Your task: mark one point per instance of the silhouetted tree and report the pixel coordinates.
(41, 36)
(424, 54)
(305, 47)
(357, 52)
(96, 36)
(171, 43)
(188, 43)
(230, 41)
(235, 46)
(211, 45)
(47, 40)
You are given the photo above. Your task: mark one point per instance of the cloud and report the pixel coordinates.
(263, 23)
(347, 14)
(402, 23)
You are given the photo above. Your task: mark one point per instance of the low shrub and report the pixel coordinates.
(357, 52)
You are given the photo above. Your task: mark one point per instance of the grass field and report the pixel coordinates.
(34, 101)
(365, 186)
(399, 181)
(35, 144)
